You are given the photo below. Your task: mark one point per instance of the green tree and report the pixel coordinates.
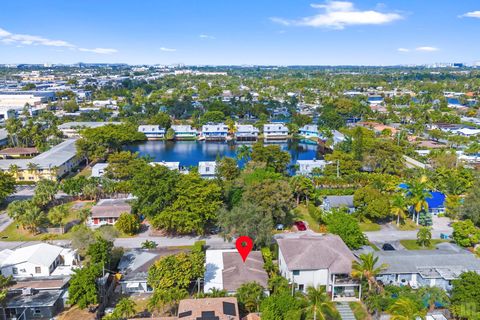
(272, 155)
(27, 214)
(167, 296)
(212, 116)
(162, 119)
(302, 188)
(282, 306)
(424, 237)
(399, 207)
(346, 226)
(83, 287)
(148, 244)
(465, 233)
(82, 237)
(170, 134)
(227, 169)
(45, 193)
(4, 283)
(123, 165)
(57, 214)
(244, 152)
(250, 296)
(197, 201)
(418, 195)
(465, 296)
(366, 268)
(100, 251)
(471, 203)
(371, 203)
(405, 309)
(320, 305)
(434, 295)
(125, 309)
(128, 223)
(247, 219)
(7, 185)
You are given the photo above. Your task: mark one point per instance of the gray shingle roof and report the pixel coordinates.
(315, 253)
(236, 272)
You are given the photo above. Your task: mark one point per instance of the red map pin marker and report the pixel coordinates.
(244, 245)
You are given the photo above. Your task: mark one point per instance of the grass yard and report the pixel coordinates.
(412, 244)
(369, 226)
(359, 311)
(75, 313)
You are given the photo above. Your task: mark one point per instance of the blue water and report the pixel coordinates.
(189, 153)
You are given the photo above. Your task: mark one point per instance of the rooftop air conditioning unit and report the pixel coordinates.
(27, 291)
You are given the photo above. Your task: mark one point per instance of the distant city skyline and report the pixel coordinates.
(267, 32)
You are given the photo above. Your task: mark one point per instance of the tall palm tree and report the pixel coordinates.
(424, 237)
(366, 269)
(434, 295)
(14, 169)
(399, 207)
(418, 195)
(320, 304)
(244, 152)
(405, 309)
(32, 167)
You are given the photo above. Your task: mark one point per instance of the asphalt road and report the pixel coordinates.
(4, 221)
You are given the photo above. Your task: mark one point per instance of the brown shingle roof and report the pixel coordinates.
(110, 208)
(314, 253)
(236, 272)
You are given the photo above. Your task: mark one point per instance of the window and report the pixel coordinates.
(300, 287)
(14, 270)
(38, 270)
(296, 272)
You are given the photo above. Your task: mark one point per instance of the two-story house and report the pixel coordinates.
(318, 260)
(215, 131)
(309, 131)
(275, 131)
(152, 132)
(246, 132)
(184, 132)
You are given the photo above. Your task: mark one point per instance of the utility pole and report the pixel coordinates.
(198, 285)
(293, 284)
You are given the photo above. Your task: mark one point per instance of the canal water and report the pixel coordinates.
(189, 153)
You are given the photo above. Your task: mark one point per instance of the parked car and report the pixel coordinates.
(388, 247)
(279, 227)
(301, 226)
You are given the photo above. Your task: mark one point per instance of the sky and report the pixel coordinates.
(240, 32)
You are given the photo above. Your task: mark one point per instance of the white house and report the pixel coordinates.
(246, 132)
(184, 132)
(275, 131)
(215, 131)
(305, 167)
(152, 132)
(207, 169)
(309, 131)
(38, 260)
(318, 260)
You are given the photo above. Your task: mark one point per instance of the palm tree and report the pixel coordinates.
(14, 169)
(405, 309)
(434, 295)
(250, 295)
(366, 269)
(244, 152)
(399, 207)
(418, 194)
(320, 304)
(32, 167)
(424, 237)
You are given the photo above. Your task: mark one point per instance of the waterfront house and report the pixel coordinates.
(246, 132)
(225, 270)
(215, 131)
(275, 131)
(38, 261)
(207, 169)
(338, 202)
(318, 260)
(309, 131)
(51, 164)
(184, 132)
(152, 132)
(417, 268)
(305, 167)
(72, 129)
(107, 212)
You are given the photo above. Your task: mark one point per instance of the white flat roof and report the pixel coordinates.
(213, 269)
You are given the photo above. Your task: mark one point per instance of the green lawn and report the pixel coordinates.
(303, 215)
(412, 244)
(369, 226)
(408, 225)
(359, 311)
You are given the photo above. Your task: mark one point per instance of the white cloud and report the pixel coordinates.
(338, 15)
(206, 36)
(403, 50)
(99, 50)
(427, 49)
(168, 49)
(472, 14)
(31, 40)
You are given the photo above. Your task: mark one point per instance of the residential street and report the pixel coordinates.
(4, 221)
